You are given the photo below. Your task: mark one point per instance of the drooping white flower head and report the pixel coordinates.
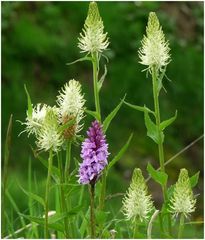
(155, 49)
(71, 106)
(34, 122)
(92, 39)
(183, 200)
(137, 203)
(49, 136)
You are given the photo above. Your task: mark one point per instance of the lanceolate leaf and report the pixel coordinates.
(159, 176)
(67, 125)
(100, 82)
(110, 117)
(139, 108)
(34, 196)
(80, 60)
(194, 179)
(167, 122)
(30, 108)
(151, 128)
(41, 221)
(93, 114)
(120, 153)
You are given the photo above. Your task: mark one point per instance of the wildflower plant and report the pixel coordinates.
(58, 128)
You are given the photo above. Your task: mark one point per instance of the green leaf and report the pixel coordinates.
(160, 85)
(151, 128)
(80, 60)
(41, 221)
(167, 122)
(110, 117)
(93, 114)
(34, 196)
(194, 179)
(54, 170)
(100, 82)
(66, 125)
(120, 153)
(159, 176)
(101, 217)
(30, 108)
(139, 108)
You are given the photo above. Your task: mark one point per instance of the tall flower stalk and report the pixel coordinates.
(154, 53)
(94, 41)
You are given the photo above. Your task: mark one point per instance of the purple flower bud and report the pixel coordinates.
(94, 154)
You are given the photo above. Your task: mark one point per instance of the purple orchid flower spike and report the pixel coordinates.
(94, 154)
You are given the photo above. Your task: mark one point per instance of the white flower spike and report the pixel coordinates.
(137, 203)
(71, 106)
(155, 49)
(92, 39)
(183, 200)
(49, 136)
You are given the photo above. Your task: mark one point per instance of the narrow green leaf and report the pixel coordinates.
(167, 122)
(100, 82)
(110, 117)
(55, 170)
(30, 108)
(120, 153)
(151, 128)
(34, 196)
(159, 81)
(101, 217)
(194, 179)
(80, 60)
(93, 114)
(66, 125)
(85, 222)
(5, 170)
(159, 176)
(15, 207)
(139, 108)
(41, 221)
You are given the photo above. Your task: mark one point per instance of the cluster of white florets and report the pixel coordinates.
(46, 122)
(93, 39)
(137, 202)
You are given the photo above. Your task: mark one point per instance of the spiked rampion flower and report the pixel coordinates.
(92, 39)
(49, 136)
(94, 153)
(137, 203)
(183, 200)
(34, 122)
(155, 49)
(71, 102)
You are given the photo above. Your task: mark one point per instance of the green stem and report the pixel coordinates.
(95, 63)
(50, 160)
(181, 226)
(103, 191)
(92, 213)
(67, 163)
(135, 232)
(160, 144)
(63, 203)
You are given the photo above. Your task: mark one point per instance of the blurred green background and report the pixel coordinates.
(39, 38)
